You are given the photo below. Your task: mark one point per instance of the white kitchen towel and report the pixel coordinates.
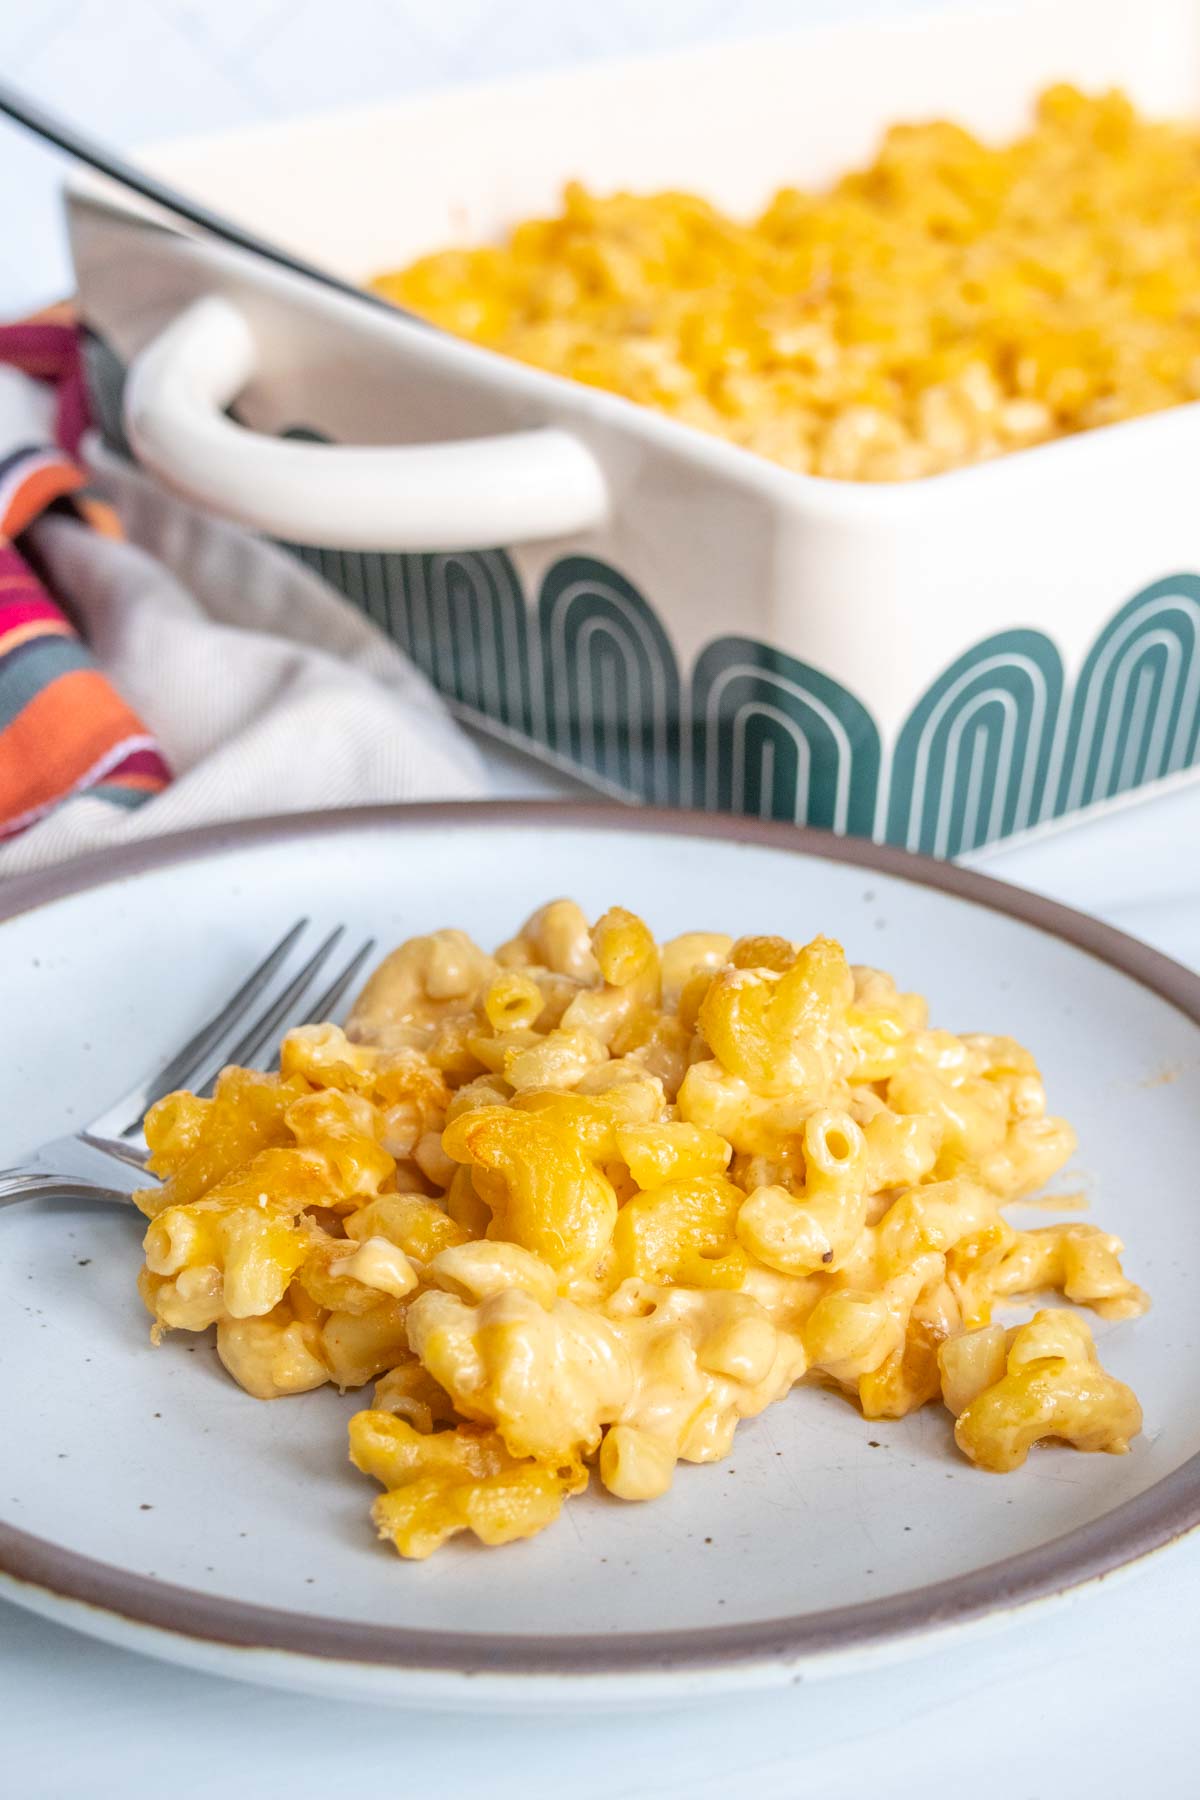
(267, 691)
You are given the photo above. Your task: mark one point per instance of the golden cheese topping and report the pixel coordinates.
(952, 301)
(586, 1204)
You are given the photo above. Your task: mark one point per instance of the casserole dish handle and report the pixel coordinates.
(505, 489)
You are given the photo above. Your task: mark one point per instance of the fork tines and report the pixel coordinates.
(201, 1059)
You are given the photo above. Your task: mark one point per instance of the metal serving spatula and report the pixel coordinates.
(54, 130)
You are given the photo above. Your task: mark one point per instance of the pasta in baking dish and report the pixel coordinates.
(952, 301)
(582, 1206)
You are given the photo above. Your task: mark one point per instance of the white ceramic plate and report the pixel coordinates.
(147, 1500)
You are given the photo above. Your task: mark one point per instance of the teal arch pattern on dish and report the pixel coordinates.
(460, 615)
(1136, 712)
(467, 623)
(612, 695)
(973, 757)
(778, 739)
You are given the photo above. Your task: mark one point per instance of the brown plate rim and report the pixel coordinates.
(1128, 1533)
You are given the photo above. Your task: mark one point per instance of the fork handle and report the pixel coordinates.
(73, 1162)
(36, 1186)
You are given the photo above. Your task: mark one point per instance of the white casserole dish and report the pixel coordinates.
(938, 663)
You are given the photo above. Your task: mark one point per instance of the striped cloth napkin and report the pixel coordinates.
(175, 671)
(64, 729)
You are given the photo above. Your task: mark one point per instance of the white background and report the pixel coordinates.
(136, 71)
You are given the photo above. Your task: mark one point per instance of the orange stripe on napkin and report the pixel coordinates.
(38, 489)
(59, 738)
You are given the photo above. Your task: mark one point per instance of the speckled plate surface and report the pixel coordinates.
(145, 1499)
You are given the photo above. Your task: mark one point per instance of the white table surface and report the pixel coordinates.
(1094, 1698)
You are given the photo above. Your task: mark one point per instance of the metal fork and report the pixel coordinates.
(101, 1161)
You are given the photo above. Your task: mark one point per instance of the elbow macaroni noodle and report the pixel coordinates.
(585, 1205)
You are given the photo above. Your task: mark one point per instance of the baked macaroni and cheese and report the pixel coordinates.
(953, 301)
(579, 1208)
